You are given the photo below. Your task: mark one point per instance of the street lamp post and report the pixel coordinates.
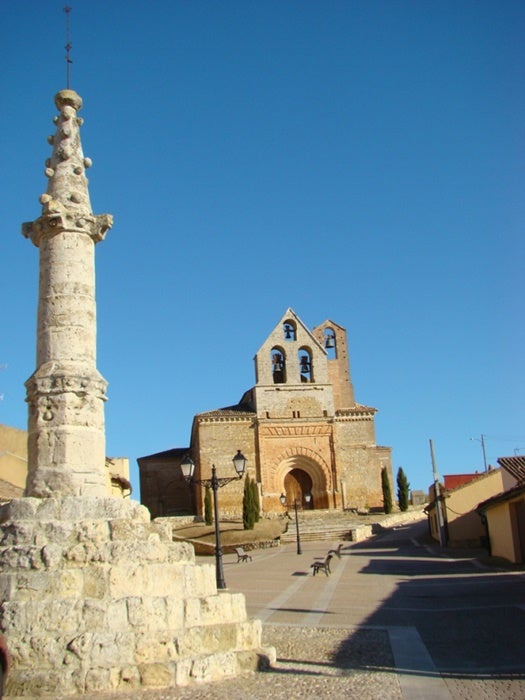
(215, 483)
(307, 498)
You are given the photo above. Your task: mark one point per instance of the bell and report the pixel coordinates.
(288, 332)
(304, 365)
(329, 342)
(276, 367)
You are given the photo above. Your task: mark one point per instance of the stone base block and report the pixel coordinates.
(98, 598)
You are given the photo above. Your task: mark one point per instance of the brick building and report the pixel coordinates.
(299, 427)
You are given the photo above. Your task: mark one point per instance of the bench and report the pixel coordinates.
(336, 552)
(318, 566)
(242, 555)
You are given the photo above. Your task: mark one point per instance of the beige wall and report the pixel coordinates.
(13, 456)
(500, 532)
(506, 526)
(463, 522)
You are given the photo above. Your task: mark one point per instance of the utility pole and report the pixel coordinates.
(482, 440)
(437, 496)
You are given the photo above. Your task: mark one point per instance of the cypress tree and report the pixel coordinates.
(387, 491)
(402, 489)
(208, 511)
(248, 520)
(255, 501)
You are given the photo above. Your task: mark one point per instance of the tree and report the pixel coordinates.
(402, 489)
(248, 517)
(256, 502)
(208, 511)
(387, 491)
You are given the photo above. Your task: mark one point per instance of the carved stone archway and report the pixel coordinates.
(301, 471)
(297, 483)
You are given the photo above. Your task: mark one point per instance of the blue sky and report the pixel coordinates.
(358, 161)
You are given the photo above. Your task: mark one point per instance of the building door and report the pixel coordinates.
(297, 483)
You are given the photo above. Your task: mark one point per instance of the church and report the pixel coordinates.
(300, 428)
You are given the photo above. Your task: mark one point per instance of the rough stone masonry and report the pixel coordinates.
(95, 596)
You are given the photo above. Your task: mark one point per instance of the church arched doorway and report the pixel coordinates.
(297, 483)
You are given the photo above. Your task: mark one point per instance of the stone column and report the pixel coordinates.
(66, 393)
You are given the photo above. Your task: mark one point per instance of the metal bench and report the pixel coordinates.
(242, 555)
(336, 552)
(318, 566)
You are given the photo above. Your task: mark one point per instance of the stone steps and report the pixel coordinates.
(316, 535)
(330, 525)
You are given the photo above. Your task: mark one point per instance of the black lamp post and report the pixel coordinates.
(307, 498)
(188, 467)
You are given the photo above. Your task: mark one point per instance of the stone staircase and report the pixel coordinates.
(321, 525)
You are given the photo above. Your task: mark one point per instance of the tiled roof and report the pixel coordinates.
(515, 467)
(236, 410)
(356, 409)
(167, 454)
(452, 481)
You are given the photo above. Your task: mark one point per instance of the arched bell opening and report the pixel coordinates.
(330, 344)
(306, 371)
(278, 362)
(289, 330)
(297, 484)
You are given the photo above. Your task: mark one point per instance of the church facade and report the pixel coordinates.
(299, 427)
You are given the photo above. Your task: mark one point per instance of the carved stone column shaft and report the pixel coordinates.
(66, 393)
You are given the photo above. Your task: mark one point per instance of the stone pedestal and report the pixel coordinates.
(96, 597)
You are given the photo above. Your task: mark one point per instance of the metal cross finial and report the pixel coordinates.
(67, 10)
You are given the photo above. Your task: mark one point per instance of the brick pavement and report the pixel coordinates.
(281, 590)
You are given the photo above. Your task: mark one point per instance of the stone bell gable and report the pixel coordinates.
(299, 427)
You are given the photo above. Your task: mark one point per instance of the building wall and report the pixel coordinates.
(360, 461)
(500, 532)
(506, 527)
(464, 525)
(163, 489)
(217, 443)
